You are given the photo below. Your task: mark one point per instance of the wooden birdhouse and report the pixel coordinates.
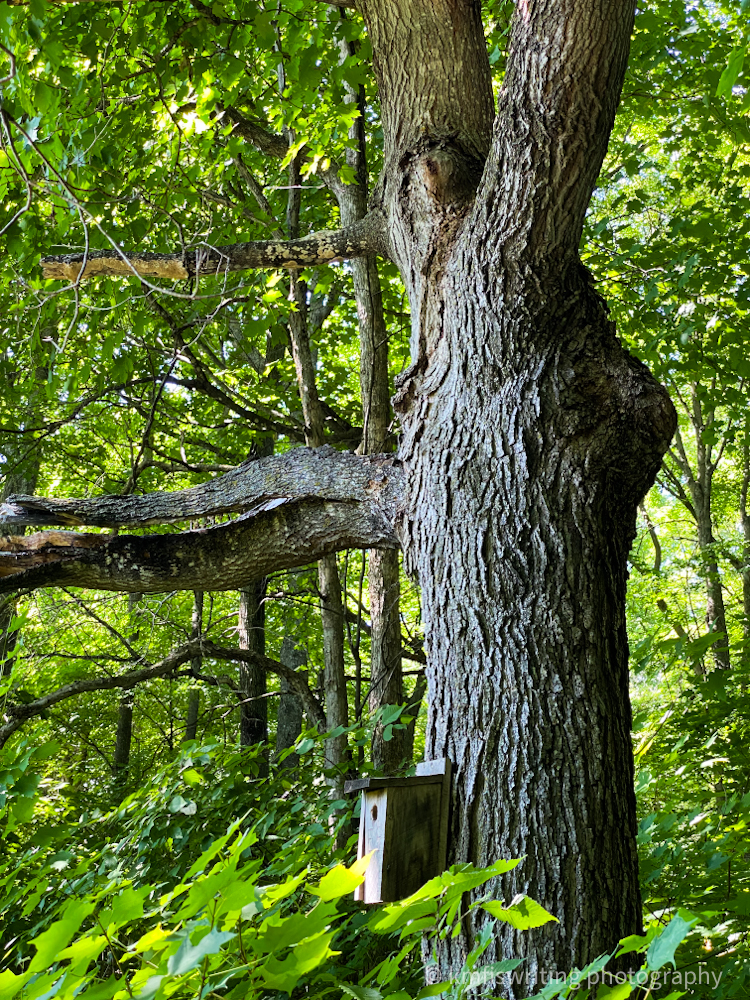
(404, 821)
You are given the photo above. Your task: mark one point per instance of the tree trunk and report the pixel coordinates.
(530, 437)
(329, 584)
(252, 636)
(123, 742)
(701, 489)
(193, 712)
(745, 566)
(386, 683)
(519, 537)
(289, 719)
(22, 481)
(194, 696)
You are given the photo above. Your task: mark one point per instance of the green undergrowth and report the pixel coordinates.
(213, 881)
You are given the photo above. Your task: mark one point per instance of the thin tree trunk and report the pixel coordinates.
(386, 683)
(701, 486)
(252, 636)
(194, 697)
(193, 712)
(124, 734)
(289, 719)
(745, 571)
(329, 584)
(123, 741)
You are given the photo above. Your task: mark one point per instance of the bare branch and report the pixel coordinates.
(327, 247)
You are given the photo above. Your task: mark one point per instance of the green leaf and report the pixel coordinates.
(618, 992)
(128, 905)
(729, 76)
(189, 956)
(523, 913)
(12, 984)
(339, 881)
(52, 941)
(362, 992)
(635, 942)
(663, 947)
(304, 958)
(434, 990)
(280, 932)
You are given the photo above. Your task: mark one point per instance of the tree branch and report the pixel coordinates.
(555, 113)
(327, 247)
(323, 474)
(16, 715)
(298, 507)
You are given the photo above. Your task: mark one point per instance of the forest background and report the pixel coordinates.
(159, 125)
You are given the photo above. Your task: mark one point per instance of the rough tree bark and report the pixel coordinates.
(529, 438)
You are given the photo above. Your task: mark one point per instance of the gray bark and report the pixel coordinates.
(319, 474)
(289, 718)
(9, 636)
(327, 247)
(530, 436)
(291, 530)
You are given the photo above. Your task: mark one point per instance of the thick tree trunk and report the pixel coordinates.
(518, 533)
(530, 437)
